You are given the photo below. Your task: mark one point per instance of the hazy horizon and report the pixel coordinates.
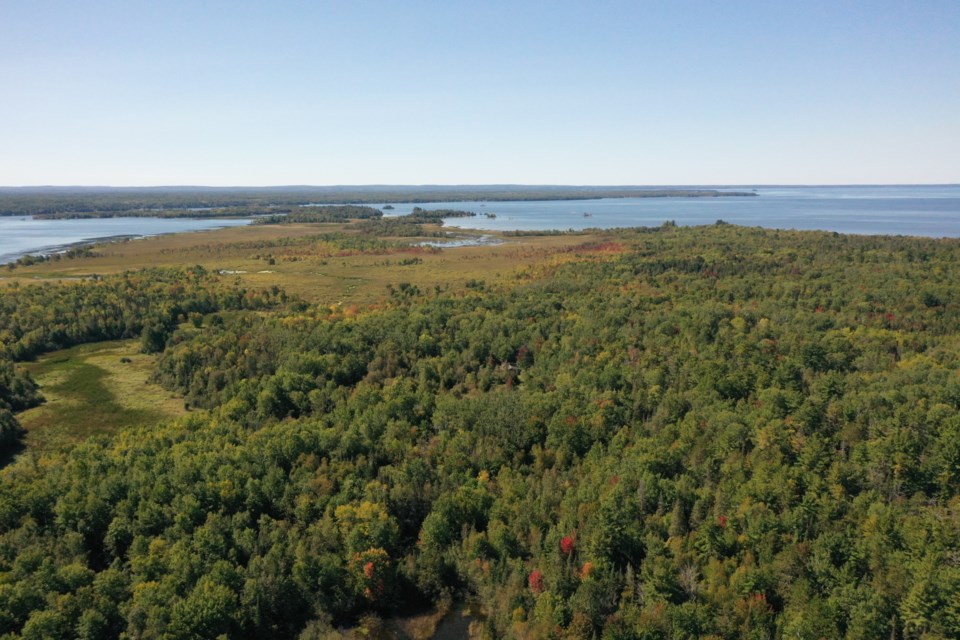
(705, 185)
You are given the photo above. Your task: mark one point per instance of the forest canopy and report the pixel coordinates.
(668, 433)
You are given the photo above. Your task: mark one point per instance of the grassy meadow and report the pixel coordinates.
(94, 389)
(302, 260)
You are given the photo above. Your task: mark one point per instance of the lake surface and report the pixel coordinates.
(932, 211)
(21, 235)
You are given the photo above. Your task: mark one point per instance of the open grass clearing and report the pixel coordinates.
(93, 389)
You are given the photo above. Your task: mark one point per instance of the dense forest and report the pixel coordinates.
(324, 214)
(671, 433)
(147, 305)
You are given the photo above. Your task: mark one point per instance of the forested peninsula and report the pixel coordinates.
(706, 432)
(80, 202)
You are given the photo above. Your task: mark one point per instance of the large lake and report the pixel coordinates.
(895, 210)
(932, 211)
(22, 235)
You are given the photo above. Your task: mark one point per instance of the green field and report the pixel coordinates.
(94, 389)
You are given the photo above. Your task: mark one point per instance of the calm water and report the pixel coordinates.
(19, 235)
(910, 210)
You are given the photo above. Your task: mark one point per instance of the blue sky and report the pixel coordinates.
(361, 92)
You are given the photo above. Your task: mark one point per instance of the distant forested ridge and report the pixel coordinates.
(667, 433)
(221, 201)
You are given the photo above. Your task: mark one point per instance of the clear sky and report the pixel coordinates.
(551, 92)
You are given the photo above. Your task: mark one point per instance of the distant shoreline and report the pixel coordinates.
(64, 247)
(67, 202)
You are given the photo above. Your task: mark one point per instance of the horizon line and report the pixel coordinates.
(485, 184)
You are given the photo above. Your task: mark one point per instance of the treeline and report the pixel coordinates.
(200, 200)
(218, 212)
(410, 225)
(264, 214)
(69, 254)
(109, 202)
(396, 227)
(38, 318)
(271, 214)
(436, 216)
(146, 304)
(18, 391)
(338, 213)
(668, 433)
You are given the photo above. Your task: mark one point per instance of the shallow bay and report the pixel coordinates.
(932, 211)
(21, 235)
